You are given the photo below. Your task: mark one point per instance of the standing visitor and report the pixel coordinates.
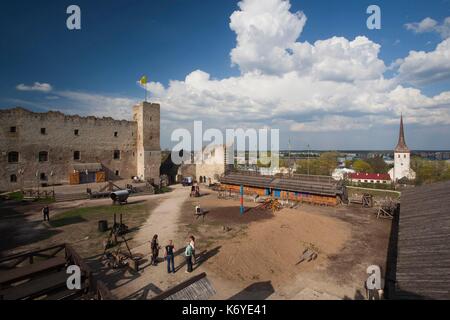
(46, 212)
(192, 243)
(155, 250)
(188, 254)
(170, 257)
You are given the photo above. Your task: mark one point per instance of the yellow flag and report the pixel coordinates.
(143, 80)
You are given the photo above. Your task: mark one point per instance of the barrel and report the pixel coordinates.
(103, 226)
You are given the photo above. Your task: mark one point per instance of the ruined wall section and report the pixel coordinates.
(96, 141)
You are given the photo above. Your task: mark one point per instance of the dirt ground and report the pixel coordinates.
(250, 256)
(22, 228)
(258, 252)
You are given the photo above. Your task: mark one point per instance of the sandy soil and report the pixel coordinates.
(257, 254)
(151, 280)
(163, 219)
(271, 249)
(253, 256)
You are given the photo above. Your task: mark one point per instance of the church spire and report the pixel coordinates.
(401, 145)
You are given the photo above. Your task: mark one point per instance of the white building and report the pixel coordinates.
(213, 163)
(340, 173)
(364, 177)
(402, 159)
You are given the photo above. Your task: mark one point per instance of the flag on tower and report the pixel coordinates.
(143, 81)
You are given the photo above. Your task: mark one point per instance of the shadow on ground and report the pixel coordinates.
(256, 291)
(200, 258)
(16, 229)
(143, 293)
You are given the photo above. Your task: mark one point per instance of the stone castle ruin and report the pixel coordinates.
(38, 149)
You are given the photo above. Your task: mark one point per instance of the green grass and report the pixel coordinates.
(18, 196)
(373, 192)
(95, 213)
(47, 200)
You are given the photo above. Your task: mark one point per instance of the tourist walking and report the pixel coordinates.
(46, 213)
(192, 243)
(169, 255)
(155, 250)
(188, 254)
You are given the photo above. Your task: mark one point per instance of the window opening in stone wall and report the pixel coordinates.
(43, 156)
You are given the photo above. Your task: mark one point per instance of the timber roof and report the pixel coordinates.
(423, 249)
(247, 180)
(298, 183)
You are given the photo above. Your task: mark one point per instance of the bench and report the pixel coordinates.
(22, 273)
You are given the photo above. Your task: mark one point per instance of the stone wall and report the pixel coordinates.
(212, 165)
(147, 118)
(96, 139)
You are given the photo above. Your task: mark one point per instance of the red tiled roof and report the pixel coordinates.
(369, 176)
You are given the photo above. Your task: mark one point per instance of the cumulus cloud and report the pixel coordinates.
(430, 25)
(330, 123)
(37, 86)
(334, 84)
(426, 25)
(267, 34)
(84, 103)
(330, 84)
(421, 67)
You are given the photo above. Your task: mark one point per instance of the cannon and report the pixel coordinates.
(120, 196)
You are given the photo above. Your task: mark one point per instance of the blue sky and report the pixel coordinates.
(95, 70)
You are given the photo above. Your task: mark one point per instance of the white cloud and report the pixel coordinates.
(430, 25)
(329, 85)
(426, 25)
(84, 103)
(37, 86)
(267, 34)
(336, 82)
(421, 67)
(330, 123)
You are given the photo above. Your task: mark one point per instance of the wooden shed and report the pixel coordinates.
(319, 190)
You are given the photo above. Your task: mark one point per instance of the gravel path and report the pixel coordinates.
(162, 221)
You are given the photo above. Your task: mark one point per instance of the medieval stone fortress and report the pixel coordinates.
(108, 208)
(52, 148)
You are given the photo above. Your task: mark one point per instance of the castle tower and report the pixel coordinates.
(402, 156)
(148, 148)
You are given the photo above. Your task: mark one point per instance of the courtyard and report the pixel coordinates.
(250, 256)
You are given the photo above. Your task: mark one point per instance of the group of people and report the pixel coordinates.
(169, 254)
(169, 249)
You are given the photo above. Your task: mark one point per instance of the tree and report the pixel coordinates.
(361, 166)
(348, 163)
(378, 165)
(328, 162)
(428, 171)
(323, 165)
